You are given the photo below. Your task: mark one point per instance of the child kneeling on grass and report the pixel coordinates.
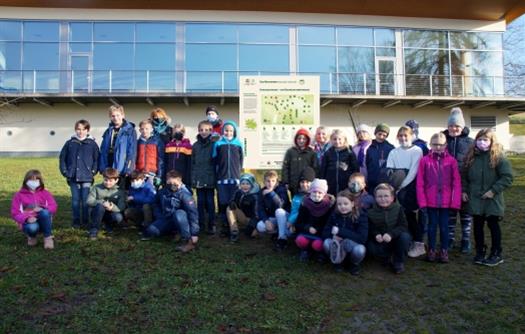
(175, 210)
(107, 202)
(388, 229)
(33, 208)
(244, 208)
(141, 197)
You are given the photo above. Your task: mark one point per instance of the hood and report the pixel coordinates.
(250, 179)
(302, 132)
(232, 123)
(464, 133)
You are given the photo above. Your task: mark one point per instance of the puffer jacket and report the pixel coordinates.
(391, 220)
(25, 200)
(332, 171)
(202, 168)
(79, 159)
(150, 155)
(125, 150)
(295, 160)
(276, 199)
(177, 156)
(98, 194)
(459, 146)
(376, 157)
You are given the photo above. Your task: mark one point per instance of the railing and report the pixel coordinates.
(338, 83)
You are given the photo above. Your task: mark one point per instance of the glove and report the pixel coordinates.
(157, 181)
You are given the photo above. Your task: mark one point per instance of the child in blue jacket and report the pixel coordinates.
(141, 197)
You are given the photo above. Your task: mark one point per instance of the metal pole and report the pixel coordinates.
(34, 81)
(110, 80)
(364, 83)
(147, 81)
(430, 84)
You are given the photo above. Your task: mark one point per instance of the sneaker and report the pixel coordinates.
(465, 246)
(417, 249)
(354, 269)
(32, 241)
(234, 236)
(480, 256)
(211, 230)
(493, 260)
(398, 268)
(93, 235)
(304, 256)
(443, 256)
(49, 243)
(431, 255)
(281, 244)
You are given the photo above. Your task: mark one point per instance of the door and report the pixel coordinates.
(80, 73)
(386, 76)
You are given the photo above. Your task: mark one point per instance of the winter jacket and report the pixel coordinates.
(150, 155)
(438, 182)
(332, 170)
(25, 200)
(391, 220)
(459, 146)
(125, 149)
(202, 168)
(167, 202)
(480, 178)
(362, 164)
(295, 160)
(249, 203)
(422, 145)
(98, 194)
(276, 199)
(142, 195)
(320, 150)
(177, 156)
(228, 156)
(364, 200)
(376, 157)
(297, 199)
(355, 229)
(314, 215)
(79, 160)
(164, 131)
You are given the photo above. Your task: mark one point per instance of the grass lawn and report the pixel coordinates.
(124, 285)
(517, 129)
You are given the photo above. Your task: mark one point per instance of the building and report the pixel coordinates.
(61, 61)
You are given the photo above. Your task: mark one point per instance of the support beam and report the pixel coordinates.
(43, 102)
(186, 101)
(391, 103)
(453, 104)
(422, 104)
(483, 104)
(77, 101)
(150, 101)
(358, 103)
(223, 100)
(326, 102)
(513, 105)
(114, 101)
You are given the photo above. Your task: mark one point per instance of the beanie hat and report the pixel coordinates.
(212, 108)
(308, 174)
(319, 185)
(456, 117)
(414, 125)
(364, 128)
(383, 127)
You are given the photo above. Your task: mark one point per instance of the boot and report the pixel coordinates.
(480, 255)
(32, 241)
(443, 256)
(417, 249)
(49, 243)
(187, 247)
(431, 255)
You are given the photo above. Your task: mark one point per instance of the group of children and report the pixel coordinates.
(148, 181)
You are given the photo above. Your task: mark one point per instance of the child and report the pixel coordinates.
(321, 143)
(212, 116)
(414, 125)
(119, 144)
(349, 226)
(296, 159)
(178, 153)
(363, 143)
(376, 156)
(33, 208)
(438, 191)
(339, 162)
(358, 193)
(458, 145)
(244, 208)
(274, 209)
(203, 176)
(305, 181)
(150, 153)
(161, 125)
(175, 210)
(79, 164)
(387, 229)
(140, 200)
(403, 163)
(107, 203)
(227, 154)
(486, 174)
(313, 214)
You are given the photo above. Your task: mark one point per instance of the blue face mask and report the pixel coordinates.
(137, 184)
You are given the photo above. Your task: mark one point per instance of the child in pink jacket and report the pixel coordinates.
(438, 190)
(32, 209)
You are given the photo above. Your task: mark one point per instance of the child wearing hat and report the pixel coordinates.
(212, 116)
(244, 207)
(376, 156)
(361, 147)
(414, 125)
(313, 215)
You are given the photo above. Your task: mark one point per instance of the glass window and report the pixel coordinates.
(212, 33)
(425, 39)
(385, 52)
(81, 32)
(476, 63)
(264, 58)
(113, 56)
(319, 60)
(41, 31)
(355, 36)
(356, 60)
(251, 33)
(40, 56)
(211, 82)
(114, 32)
(155, 57)
(10, 31)
(316, 35)
(9, 56)
(476, 40)
(424, 61)
(156, 32)
(79, 47)
(211, 57)
(385, 37)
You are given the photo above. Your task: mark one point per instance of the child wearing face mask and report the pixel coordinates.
(161, 124)
(150, 153)
(314, 212)
(212, 116)
(357, 189)
(403, 163)
(141, 197)
(178, 153)
(438, 191)
(32, 209)
(296, 159)
(339, 162)
(485, 175)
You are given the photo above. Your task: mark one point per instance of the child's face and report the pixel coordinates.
(356, 184)
(228, 131)
(270, 182)
(438, 146)
(117, 118)
(363, 135)
(109, 182)
(245, 186)
(384, 198)
(344, 205)
(304, 185)
(301, 141)
(81, 131)
(146, 130)
(174, 182)
(317, 196)
(320, 136)
(205, 131)
(381, 136)
(404, 138)
(212, 116)
(454, 130)
(338, 141)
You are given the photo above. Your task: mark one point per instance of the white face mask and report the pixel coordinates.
(212, 118)
(33, 184)
(316, 196)
(404, 143)
(137, 184)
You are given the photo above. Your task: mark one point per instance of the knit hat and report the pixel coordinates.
(308, 174)
(414, 125)
(247, 177)
(319, 185)
(212, 108)
(364, 128)
(456, 117)
(382, 127)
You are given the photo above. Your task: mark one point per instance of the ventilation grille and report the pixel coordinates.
(483, 122)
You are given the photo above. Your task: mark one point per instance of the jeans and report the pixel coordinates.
(206, 204)
(99, 214)
(79, 194)
(278, 221)
(43, 223)
(466, 222)
(176, 222)
(397, 247)
(437, 217)
(355, 252)
(495, 233)
(225, 194)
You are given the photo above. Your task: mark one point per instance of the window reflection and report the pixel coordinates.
(263, 58)
(41, 31)
(251, 33)
(476, 41)
(355, 36)
(316, 35)
(425, 39)
(384, 37)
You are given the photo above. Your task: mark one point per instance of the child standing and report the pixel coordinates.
(150, 153)
(339, 162)
(438, 191)
(387, 229)
(107, 203)
(203, 176)
(140, 200)
(321, 143)
(161, 125)
(348, 225)
(79, 164)
(212, 116)
(414, 125)
(297, 158)
(486, 174)
(33, 208)
(363, 143)
(244, 208)
(178, 154)
(313, 214)
(376, 156)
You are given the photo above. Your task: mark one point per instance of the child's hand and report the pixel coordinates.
(379, 238)
(488, 195)
(31, 220)
(130, 198)
(107, 205)
(37, 209)
(343, 166)
(464, 197)
(387, 238)
(335, 230)
(266, 191)
(312, 230)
